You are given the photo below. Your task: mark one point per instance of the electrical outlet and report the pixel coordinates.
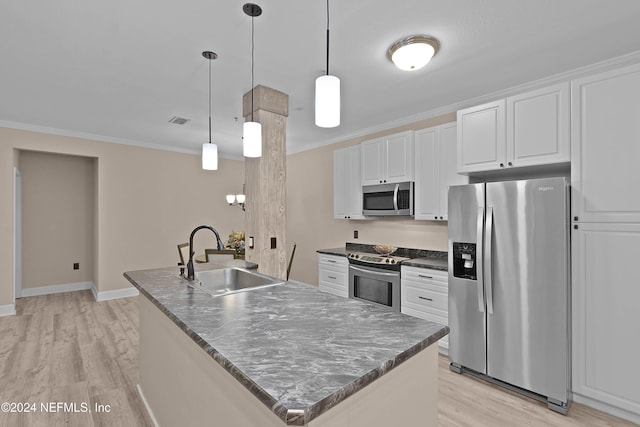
(76, 266)
(355, 234)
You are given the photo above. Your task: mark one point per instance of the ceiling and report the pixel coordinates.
(119, 70)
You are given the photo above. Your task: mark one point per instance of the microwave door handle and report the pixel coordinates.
(479, 259)
(488, 268)
(395, 197)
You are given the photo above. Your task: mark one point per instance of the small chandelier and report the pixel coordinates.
(237, 199)
(413, 52)
(209, 150)
(252, 131)
(327, 94)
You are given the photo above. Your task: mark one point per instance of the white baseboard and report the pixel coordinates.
(56, 289)
(146, 405)
(604, 407)
(7, 310)
(116, 293)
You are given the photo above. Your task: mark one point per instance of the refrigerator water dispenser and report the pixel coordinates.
(464, 260)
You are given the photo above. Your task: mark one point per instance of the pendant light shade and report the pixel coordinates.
(252, 131)
(209, 150)
(209, 156)
(327, 101)
(252, 139)
(327, 94)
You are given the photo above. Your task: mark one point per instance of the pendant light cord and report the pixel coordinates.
(327, 37)
(210, 100)
(252, 51)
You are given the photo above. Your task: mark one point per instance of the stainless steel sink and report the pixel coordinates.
(227, 281)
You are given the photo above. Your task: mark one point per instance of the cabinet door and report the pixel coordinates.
(347, 190)
(399, 157)
(538, 127)
(605, 146)
(447, 171)
(426, 170)
(605, 290)
(372, 155)
(340, 183)
(482, 137)
(354, 186)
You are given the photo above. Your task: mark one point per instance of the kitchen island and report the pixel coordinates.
(282, 355)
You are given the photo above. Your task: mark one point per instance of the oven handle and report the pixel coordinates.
(362, 270)
(395, 197)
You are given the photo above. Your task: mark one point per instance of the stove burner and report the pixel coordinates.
(375, 259)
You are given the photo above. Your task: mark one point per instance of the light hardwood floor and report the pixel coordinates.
(68, 348)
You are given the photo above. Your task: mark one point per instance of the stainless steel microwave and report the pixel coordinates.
(388, 199)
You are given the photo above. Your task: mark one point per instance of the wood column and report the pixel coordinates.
(265, 182)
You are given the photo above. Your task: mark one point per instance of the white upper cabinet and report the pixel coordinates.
(528, 129)
(538, 127)
(347, 191)
(435, 169)
(388, 159)
(482, 137)
(605, 146)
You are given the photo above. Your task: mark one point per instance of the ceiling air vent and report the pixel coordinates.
(178, 120)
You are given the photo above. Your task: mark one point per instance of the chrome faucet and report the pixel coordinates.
(190, 272)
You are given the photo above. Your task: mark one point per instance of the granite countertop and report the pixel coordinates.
(436, 260)
(300, 351)
(434, 263)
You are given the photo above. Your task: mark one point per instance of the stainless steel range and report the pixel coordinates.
(375, 278)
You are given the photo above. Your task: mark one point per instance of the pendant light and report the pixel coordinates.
(327, 94)
(209, 150)
(252, 131)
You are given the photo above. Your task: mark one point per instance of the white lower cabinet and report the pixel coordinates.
(424, 293)
(333, 274)
(606, 314)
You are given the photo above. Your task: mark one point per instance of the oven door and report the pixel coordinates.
(375, 285)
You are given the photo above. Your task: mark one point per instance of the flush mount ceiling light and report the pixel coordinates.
(209, 150)
(413, 52)
(327, 94)
(252, 131)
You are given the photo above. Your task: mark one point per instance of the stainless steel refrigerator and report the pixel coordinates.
(509, 285)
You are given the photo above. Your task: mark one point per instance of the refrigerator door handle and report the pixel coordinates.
(479, 265)
(488, 268)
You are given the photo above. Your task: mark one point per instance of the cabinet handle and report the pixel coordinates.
(441, 218)
(435, 217)
(331, 277)
(425, 277)
(575, 227)
(575, 218)
(501, 165)
(425, 298)
(331, 260)
(510, 164)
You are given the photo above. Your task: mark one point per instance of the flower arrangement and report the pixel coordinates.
(236, 242)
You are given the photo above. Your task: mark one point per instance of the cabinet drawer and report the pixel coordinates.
(332, 288)
(426, 299)
(425, 275)
(333, 276)
(334, 261)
